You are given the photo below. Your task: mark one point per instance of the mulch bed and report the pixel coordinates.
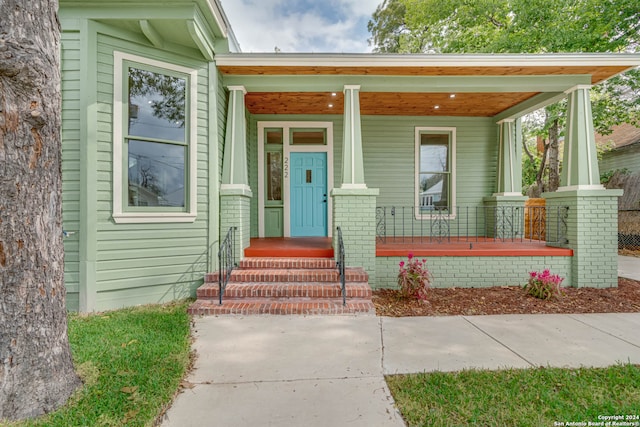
(509, 300)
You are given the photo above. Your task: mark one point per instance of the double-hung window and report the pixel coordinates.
(154, 159)
(435, 170)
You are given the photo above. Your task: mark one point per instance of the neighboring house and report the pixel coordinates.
(621, 149)
(170, 137)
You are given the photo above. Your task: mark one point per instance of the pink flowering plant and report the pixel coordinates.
(544, 285)
(414, 278)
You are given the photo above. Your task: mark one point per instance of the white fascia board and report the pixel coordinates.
(426, 60)
(215, 9)
(222, 21)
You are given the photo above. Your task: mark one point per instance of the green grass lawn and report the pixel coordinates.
(131, 361)
(518, 397)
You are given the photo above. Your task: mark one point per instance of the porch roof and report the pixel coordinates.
(500, 86)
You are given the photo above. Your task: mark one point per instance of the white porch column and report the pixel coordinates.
(235, 193)
(234, 165)
(589, 210)
(354, 205)
(580, 163)
(352, 163)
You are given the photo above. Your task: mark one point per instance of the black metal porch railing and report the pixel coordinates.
(341, 266)
(415, 224)
(226, 261)
(629, 229)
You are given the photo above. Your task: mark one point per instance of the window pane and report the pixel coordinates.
(156, 105)
(274, 136)
(315, 137)
(434, 153)
(274, 176)
(434, 191)
(156, 174)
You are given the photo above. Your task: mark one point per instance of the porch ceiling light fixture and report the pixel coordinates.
(453, 95)
(330, 105)
(333, 94)
(435, 107)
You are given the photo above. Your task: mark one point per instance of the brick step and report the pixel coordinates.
(284, 291)
(274, 275)
(203, 307)
(288, 263)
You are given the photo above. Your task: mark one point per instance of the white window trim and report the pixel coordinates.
(452, 175)
(287, 149)
(120, 216)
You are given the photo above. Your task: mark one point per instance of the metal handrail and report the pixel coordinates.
(226, 262)
(340, 265)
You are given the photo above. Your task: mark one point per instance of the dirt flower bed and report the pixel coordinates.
(509, 300)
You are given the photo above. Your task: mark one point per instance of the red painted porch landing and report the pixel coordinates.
(287, 247)
(320, 247)
(480, 247)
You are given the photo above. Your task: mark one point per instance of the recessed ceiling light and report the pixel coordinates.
(436, 107)
(333, 94)
(453, 95)
(330, 105)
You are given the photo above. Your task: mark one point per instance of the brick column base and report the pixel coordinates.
(591, 231)
(354, 211)
(235, 211)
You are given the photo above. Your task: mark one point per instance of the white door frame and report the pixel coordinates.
(287, 149)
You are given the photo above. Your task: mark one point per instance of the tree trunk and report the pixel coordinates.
(36, 369)
(554, 164)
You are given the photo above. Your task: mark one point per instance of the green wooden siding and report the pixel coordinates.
(622, 158)
(135, 263)
(389, 163)
(142, 263)
(70, 55)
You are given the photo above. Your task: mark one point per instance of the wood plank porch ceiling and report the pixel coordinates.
(386, 103)
(469, 104)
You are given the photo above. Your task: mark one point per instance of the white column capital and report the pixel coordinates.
(506, 121)
(235, 88)
(351, 87)
(577, 87)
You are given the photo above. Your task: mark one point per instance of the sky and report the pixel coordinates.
(337, 26)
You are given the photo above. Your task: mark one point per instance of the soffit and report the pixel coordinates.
(386, 103)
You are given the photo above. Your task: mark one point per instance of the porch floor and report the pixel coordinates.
(321, 247)
(466, 247)
(290, 247)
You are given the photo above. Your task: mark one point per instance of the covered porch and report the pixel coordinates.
(432, 132)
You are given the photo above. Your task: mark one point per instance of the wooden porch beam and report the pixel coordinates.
(415, 84)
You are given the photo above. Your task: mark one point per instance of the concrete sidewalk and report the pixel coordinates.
(629, 267)
(329, 371)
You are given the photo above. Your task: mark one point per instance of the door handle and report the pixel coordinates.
(325, 198)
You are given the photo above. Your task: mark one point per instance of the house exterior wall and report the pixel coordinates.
(389, 147)
(70, 56)
(389, 151)
(476, 272)
(622, 158)
(127, 264)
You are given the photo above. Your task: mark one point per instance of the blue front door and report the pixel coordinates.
(308, 194)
